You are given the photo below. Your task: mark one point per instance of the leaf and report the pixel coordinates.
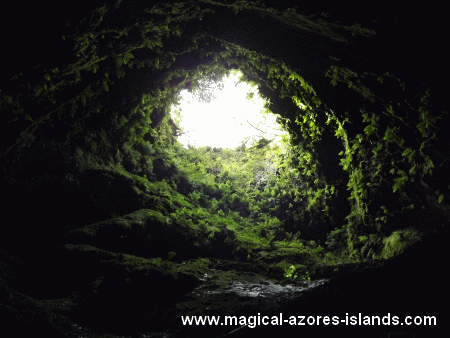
(400, 180)
(369, 129)
(441, 197)
(127, 57)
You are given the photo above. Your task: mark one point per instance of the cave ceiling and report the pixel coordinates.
(409, 50)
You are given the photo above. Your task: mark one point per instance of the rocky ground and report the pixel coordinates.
(96, 293)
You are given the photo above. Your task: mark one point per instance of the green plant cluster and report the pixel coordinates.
(238, 186)
(291, 273)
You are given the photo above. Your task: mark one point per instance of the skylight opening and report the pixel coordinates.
(234, 115)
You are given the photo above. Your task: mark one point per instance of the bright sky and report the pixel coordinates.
(222, 123)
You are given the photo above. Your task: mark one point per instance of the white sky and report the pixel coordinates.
(222, 123)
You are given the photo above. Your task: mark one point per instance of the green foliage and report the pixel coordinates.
(398, 241)
(305, 276)
(363, 238)
(162, 264)
(292, 274)
(390, 151)
(319, 250)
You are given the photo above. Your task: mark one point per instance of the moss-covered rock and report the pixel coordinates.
(145, 232)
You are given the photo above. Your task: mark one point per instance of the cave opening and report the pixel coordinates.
(224, 114)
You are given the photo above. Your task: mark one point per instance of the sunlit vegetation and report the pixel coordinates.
(251, 198)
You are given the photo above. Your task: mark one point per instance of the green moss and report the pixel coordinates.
(138, 263)
(398, 241)
(196, 267)
(283, 265)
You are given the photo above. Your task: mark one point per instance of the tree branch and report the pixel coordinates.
(264, 132)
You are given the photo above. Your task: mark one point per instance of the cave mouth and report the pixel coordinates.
(223, 114)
